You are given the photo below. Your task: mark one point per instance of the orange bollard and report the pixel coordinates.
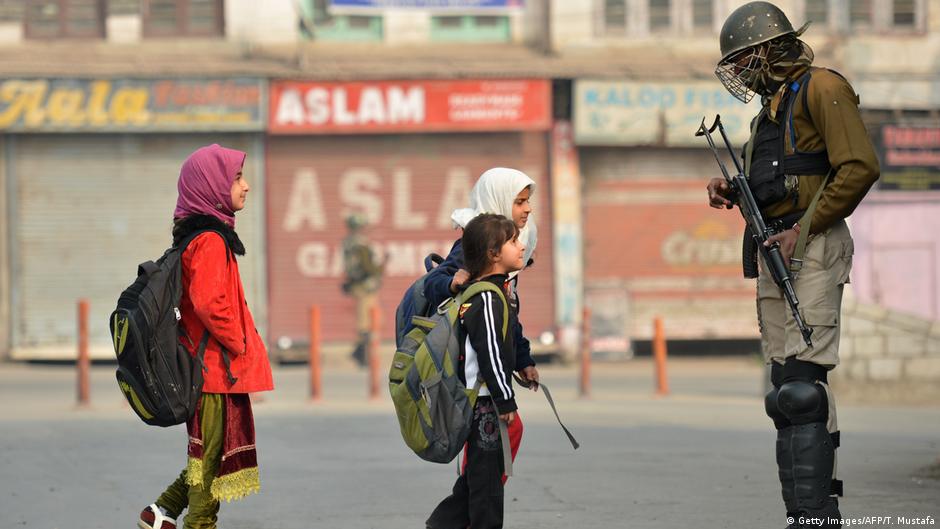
(84, 361)
(659, 353)
(585, 381)
(374, 353)
(316, 390)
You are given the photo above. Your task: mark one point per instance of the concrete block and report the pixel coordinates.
(905, 345)
(923, 369)
(860, 326)
(908, 322)
(846, 347)
(885, 369)
(870, 312)
(933, 347)
(868, 346)
(850, 370)
(935, 330)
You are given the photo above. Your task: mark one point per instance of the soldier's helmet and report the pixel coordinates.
(742, 34)
(356, 222)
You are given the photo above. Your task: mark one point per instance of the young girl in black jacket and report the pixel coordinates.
(492, 251)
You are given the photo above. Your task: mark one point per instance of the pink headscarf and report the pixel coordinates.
(205, 184)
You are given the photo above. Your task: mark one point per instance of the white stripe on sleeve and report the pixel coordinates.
(495, 359)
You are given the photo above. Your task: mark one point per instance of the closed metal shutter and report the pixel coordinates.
(86, 210)
(653, 247)
(407, 186)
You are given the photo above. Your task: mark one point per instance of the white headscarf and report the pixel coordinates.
(495, 192)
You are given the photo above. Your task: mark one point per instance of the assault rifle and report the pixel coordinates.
(741, 194)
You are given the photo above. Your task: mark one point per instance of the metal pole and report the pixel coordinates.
(84, 361)
(585, 379)
(374, 353)
(659, 353)
(316, 389)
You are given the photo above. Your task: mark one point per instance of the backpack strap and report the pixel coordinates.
(474, 289)
(507, 446)
(486, 286)
(551, 402)
(201, 351)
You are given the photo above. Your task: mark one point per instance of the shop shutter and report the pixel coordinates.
(315, 182)
(87, 209)
(653, 247)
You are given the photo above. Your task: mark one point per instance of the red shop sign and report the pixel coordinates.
(305, 107)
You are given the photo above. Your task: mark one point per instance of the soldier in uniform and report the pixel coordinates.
(363, 279)
(809, 163)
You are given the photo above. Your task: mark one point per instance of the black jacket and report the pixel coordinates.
(482, 344)
(437, 289)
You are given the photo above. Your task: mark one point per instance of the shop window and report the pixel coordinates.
(860, 14)
(817, 12)
(885, 16)
(615, 17)
(659, 15)
(79, 19)
(703, 15)
(183, 18)
(319, 24)
(904, 13)
(488, 28)
(642, 17)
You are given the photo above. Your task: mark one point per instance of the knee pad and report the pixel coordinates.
(773, 410)
(803, 402)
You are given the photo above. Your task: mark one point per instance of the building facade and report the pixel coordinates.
(596, 99)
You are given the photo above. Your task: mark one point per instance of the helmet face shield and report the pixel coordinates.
(740, 72)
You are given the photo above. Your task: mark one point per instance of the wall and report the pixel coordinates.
(887, 356)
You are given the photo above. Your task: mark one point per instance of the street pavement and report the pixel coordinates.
(701, 457)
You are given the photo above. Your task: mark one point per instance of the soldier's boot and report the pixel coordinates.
(359, 353)
(813, 451)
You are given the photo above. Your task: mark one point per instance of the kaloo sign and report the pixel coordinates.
(408, 106)
(130, 105)
(641, 113)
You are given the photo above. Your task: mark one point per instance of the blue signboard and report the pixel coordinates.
(444, 5)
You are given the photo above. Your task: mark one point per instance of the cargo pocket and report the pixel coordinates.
(825, 325)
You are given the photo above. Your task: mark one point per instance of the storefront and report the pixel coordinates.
(91, 169)
(404, 155)
(653, 247)
(896, 242)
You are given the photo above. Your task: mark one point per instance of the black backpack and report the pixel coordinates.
(414, 303)
(161, 380)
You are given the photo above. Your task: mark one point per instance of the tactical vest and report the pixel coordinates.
(766, 161)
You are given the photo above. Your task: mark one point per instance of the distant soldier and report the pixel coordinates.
(363, 279)
(808, 164)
